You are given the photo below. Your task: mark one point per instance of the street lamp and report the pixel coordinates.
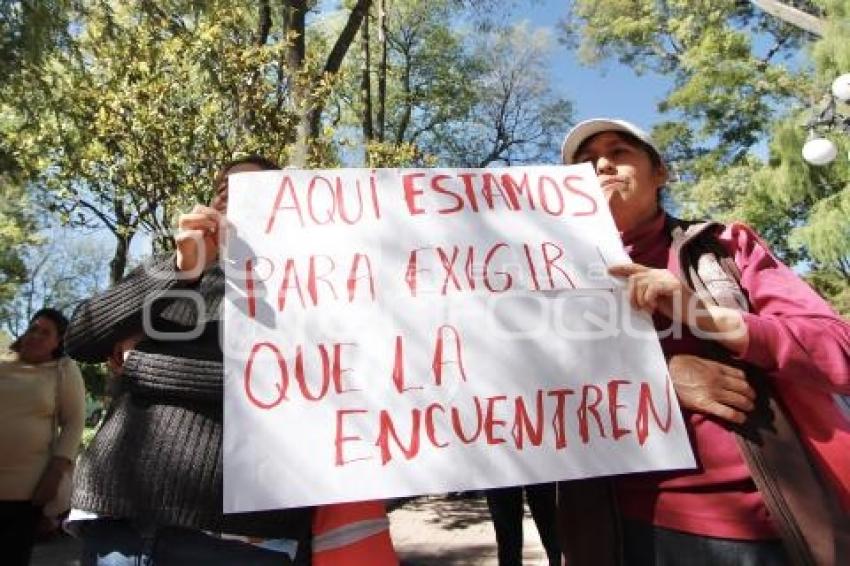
(819, 150)
(841, 88)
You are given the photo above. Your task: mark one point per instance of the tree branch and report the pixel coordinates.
(774, 50)
(110, 224)
(346, 36)
(792, 16)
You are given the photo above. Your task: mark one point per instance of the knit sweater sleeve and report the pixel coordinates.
(793, 333)
(72, 410)
(118, 312)
(190, 370)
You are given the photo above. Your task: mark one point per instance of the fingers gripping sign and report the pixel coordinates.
(198, 239)
(654, 290)
(702, 385)
(712, 388)
(660, 290)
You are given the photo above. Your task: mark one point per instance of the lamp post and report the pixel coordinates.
(819, 150)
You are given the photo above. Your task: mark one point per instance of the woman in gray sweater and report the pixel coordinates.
(150, 484)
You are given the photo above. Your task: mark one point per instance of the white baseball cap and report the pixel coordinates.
(589, 128)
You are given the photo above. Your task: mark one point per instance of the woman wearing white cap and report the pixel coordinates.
(772, 482)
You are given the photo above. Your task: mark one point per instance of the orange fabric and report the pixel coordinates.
(329, 517)
(375, 550)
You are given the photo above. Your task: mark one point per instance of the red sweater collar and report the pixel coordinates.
(648, 238)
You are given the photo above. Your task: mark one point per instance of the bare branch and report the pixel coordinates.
(774, 50)
(111, 225)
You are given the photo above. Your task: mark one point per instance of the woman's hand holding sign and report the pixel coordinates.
(198, 239)
(702, 385)
(660, 290)
(656, 289)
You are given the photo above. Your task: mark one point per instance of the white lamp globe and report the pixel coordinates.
(841, 88)
(819, 151)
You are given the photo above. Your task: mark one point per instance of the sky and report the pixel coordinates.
(609, 89)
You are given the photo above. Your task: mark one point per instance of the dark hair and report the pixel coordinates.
(58, 319)
(262, 162)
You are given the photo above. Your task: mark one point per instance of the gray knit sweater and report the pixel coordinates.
(157, 459)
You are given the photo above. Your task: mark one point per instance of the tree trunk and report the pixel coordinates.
(294, 16)
(265, 23)
(407, 113)
(294, 23)
(118, 264)
(366, 90)
(382, 67)
(312, 107)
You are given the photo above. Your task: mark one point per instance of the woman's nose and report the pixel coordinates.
(605, 165)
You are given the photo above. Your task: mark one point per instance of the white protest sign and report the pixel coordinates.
(400, 332)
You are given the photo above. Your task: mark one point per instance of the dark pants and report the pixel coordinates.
(506, 511)
(114, 542)
(18, 522)
(647, 545)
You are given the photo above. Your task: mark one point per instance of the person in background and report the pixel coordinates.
(789, 353)
(40, 389)
(506, 511)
